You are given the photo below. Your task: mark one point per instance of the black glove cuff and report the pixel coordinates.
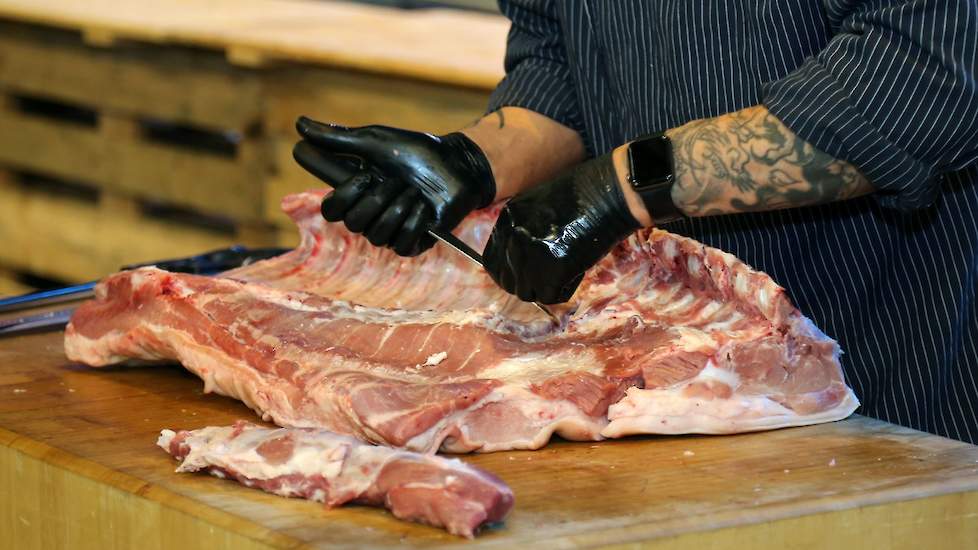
(599, 180)
(470, 158)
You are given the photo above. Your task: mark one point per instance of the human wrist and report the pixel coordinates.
(635, 204)
(493, 145)
(474, 163)
(681, 196)
(598, 188)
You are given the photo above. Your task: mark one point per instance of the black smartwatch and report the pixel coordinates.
(651, 176)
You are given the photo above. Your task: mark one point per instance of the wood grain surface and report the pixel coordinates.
(437, 45)
(79, 468)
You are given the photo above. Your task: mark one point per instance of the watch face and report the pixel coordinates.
(651, 161)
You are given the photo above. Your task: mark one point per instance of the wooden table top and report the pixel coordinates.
(77, 454)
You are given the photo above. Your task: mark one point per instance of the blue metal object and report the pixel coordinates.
(48, 297)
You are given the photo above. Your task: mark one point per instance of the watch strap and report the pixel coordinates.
(655, 188)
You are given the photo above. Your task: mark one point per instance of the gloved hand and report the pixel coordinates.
(405, 182)
(548, 236)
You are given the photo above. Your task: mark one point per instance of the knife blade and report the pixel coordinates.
(48, 297)
(48, 320)
(458, 245)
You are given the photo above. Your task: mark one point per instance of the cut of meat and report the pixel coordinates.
(335, 469)
(337, 264)
(307, 361)
(664, 335)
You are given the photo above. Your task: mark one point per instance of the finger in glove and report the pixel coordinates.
(338, 203)
(332, 169)
(382, 231)
(564, 293)
(411, 239)
(371, 204)
(522, 287)
(332, 137)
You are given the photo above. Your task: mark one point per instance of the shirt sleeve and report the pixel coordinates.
(894, 92)
(538, 77)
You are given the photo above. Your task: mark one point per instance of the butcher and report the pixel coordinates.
(832, 144)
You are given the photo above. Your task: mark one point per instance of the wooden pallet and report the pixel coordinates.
(146, 111)
(77, 236)
(253, 111)
(12, 283)
(129, 100)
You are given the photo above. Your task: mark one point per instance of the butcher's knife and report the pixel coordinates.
(338, 168)
(210, 263)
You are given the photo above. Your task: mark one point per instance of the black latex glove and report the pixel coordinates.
(548, 236)
(405, 182)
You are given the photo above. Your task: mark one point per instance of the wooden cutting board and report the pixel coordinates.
(79, 469)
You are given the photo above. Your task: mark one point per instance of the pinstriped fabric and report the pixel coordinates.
(538, 74)
(884, 91)
(891, 86)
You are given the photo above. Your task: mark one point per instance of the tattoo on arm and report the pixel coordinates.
(524, 148)
(499, 115)
(749, 161)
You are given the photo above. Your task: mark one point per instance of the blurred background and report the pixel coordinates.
(137, 130)
(489, 6)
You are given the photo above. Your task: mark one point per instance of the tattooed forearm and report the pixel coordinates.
(748, 161)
